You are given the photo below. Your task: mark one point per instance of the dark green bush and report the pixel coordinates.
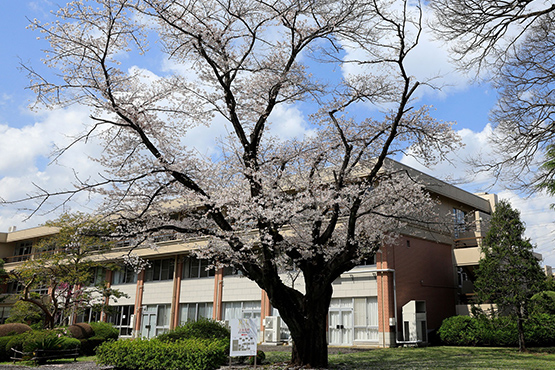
(459, 331)
(501, 331)
(142, 354)
(540, 330)
(203, 329)
(102, 331)
(13, 328)
(42, 339)
(4, 354)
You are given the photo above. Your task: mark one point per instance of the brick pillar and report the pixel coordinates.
(108, 278)
(265, 310)
(139, 303)
(386, 300)
(174, 318)
(218, 290)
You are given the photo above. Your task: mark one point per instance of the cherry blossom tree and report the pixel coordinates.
(317, 203)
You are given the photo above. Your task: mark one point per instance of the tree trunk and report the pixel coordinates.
(310, 345)
(306, 318)
(520, 326)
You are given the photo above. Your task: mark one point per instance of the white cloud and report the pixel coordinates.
(539, 218)
(25, 155)
(287, 122)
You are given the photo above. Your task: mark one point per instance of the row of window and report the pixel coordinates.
(357, 317)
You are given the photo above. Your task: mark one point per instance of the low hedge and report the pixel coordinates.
(143, 354)
(202, 329)
(539, 330)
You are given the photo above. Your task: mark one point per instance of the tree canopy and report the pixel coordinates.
(509, 274)
(321, 201)
(511, 42)
(67, 268)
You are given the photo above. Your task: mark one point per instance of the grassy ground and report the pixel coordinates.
(418, 358)
(433, 358)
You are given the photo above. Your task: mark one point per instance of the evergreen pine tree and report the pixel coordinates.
(509, 274)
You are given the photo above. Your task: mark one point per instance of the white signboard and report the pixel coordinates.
(244, 337)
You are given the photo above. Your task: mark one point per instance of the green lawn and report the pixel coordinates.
(435, 358)
(422, 358)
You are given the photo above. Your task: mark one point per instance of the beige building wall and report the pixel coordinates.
(237, 288)
(158, 292)
(197, 290)
(129, 289)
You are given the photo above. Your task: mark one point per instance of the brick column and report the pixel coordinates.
(139, 303)
(108, 278)
(174, 319)
(386, 301)
(218, 290)
(265, 310)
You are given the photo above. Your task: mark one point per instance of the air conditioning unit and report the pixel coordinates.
(272, 331)
(414, 322)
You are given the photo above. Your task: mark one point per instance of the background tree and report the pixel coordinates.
(27, 313)
(512, 42)
(319, 202)
(64, 267)
(509, 274)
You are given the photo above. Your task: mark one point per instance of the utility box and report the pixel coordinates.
(415, 328)
(272, 326)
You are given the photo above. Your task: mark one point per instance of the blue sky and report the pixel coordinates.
(27, 138)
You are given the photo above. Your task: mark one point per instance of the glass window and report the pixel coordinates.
(194, 268)
(98, 275)
(4, 313)
(122, 318)
(459, 220)
(23, 251)
(366, 318)
(160, 270)
(194, 312)
(88, 315)
(126, 275)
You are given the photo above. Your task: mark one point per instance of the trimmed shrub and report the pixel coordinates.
(142, 354)
(13, 328)
(81, 330)
(101, 332)
(459, 331)
(104, 330)
(203, 329)
(42, 339)
(501, 331)
(540, 330)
